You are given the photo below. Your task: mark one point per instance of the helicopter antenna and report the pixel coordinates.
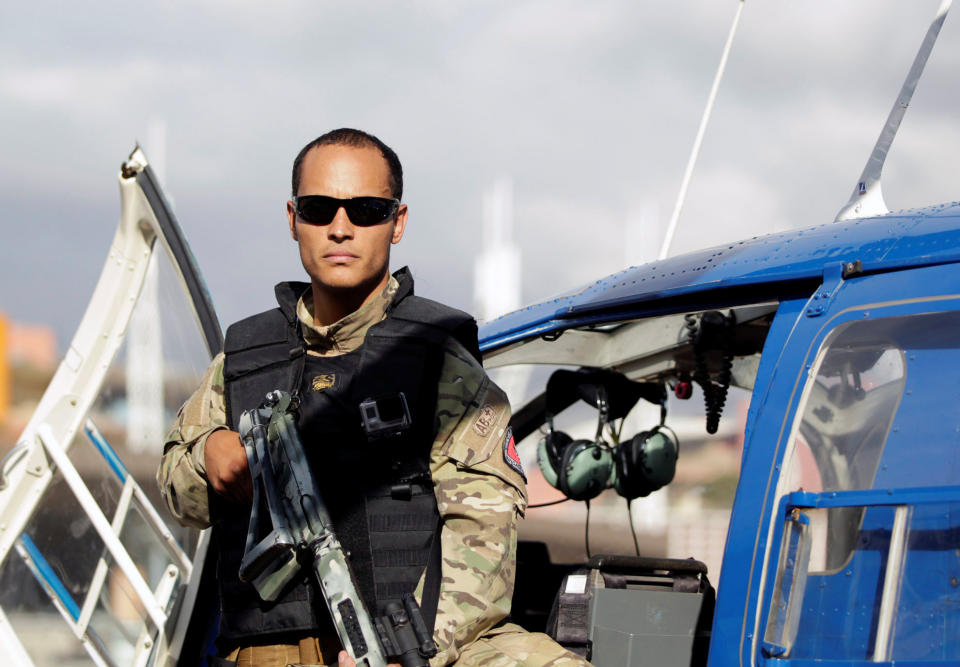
(867, 198)
(672, 226)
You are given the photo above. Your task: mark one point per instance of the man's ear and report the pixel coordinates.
(399, 224)
(292, 219)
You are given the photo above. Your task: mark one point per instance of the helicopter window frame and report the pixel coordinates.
(911, 312)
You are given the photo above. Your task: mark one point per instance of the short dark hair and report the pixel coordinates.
(346, 136)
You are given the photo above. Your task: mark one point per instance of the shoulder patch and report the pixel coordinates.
(510, 455)
(486, 417)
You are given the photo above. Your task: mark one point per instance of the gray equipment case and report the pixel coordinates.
(630, 611)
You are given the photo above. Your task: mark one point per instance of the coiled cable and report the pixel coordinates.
(712, 331)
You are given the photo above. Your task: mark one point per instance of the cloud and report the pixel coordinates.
(590, 109)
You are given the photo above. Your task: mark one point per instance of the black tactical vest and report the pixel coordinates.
(378, 491)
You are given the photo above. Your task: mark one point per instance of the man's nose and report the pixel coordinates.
(340, 227)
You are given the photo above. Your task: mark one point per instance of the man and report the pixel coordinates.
(357, 332)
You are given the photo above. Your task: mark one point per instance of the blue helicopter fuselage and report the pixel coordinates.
(843, 540)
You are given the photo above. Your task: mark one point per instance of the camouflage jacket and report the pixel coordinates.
(479, 487)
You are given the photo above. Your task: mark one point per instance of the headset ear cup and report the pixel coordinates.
(630, 481)
(550, 455)
(659, 461)
(585, 470)
(645, 463)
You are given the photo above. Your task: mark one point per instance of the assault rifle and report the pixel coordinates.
(303, 532)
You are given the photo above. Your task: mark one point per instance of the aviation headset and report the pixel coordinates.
(582, 468)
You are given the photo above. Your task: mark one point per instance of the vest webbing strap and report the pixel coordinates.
(431, 582)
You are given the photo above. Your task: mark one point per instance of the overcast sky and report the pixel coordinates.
(590, 109)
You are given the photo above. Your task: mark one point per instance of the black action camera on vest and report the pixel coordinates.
(582, 469)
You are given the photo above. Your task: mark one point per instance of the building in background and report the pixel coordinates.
(28, 358)
(30, 344)
(5, 381)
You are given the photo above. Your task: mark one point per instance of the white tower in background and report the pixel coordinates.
(496, 272)
(497, 287)
(642, 233)
(642, 237)
(145, 419)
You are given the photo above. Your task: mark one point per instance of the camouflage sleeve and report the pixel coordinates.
(481, 492)
(182, 474)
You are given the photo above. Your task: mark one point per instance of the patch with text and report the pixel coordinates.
(486, 418)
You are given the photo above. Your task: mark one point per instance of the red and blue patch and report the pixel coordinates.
(510, 453)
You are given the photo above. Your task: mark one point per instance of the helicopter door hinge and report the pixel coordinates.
(833, 276)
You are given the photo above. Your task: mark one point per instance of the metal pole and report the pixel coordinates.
(672, 226)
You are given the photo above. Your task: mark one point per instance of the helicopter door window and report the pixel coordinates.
(871, 511)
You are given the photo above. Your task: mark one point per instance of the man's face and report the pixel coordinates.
(340, 255)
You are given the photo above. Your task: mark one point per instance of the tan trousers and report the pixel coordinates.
(509, 644)
(309, 651)
(504, 646)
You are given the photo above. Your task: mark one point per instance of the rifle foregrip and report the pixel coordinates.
(354, 625)
(351, 624)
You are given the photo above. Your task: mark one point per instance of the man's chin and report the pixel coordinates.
(345, 281)
(337, 277)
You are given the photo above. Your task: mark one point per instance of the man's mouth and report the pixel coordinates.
(339, 256)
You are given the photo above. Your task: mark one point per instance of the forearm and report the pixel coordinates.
(182, 481)
(479, 541)
(182, 475)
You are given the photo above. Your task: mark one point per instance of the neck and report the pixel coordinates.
(331, 304)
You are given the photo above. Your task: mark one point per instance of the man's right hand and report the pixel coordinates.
(226, 463)
(344, 660)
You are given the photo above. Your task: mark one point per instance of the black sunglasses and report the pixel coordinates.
(362, 211)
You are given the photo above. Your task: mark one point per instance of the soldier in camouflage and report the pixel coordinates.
(478, 483)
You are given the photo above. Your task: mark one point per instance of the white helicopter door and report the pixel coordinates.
(90, 571)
